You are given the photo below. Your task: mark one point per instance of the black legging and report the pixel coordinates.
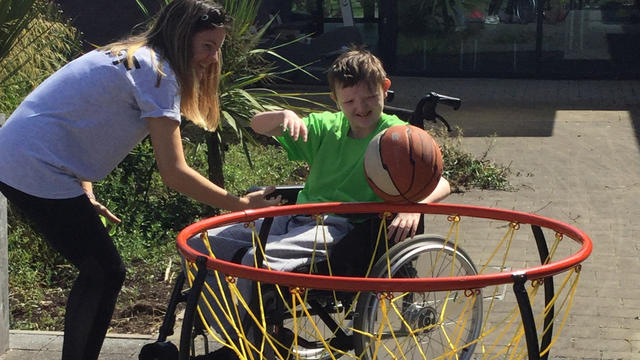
(72, 227)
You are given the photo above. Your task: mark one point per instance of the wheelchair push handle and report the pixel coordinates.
(424, 110)
(451, 101)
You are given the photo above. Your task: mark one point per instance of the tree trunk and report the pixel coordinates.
(214, 159)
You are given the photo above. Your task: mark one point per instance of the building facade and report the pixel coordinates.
(475, 38)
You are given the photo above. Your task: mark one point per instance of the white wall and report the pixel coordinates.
(4, 273)
(4, 278)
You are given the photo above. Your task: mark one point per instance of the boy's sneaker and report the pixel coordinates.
(492, 19)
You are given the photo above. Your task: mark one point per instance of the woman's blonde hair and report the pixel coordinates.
(170, 33)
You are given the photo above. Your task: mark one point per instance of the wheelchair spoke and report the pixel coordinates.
(419, 324)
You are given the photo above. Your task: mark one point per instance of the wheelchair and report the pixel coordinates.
(332, 324)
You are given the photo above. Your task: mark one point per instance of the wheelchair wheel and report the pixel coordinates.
(422, 325)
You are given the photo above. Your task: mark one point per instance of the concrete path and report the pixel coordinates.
(47, 345)
(572, 147)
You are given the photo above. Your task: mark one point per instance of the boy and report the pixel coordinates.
(333, 144)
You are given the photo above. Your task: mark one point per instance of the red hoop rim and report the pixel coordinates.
(341, 283)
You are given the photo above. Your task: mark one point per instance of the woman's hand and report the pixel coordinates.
(102, 210)
(258, 199)
(403, 225)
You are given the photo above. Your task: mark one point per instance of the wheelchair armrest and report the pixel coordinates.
(289, 193)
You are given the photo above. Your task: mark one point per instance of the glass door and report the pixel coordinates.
(364, 15)
(462, 37)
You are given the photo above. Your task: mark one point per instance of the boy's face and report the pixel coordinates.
(362, 106)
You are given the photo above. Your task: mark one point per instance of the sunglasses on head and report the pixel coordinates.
(215, 17)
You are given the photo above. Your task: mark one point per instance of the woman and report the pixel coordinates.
(83, 120)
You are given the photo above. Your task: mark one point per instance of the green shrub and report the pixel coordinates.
(270, 167)
(464, 170)
(150, 212)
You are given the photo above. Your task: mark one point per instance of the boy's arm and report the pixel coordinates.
(275, 123)
(442, 190)
(406, 224)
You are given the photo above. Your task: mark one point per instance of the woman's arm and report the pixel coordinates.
(275, 123)
(178, 175)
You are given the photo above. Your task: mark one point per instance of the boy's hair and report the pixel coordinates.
(354, 66)
(170, 33)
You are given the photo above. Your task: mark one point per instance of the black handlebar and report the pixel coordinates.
(447, 100)
(289, 193)
(425, 109)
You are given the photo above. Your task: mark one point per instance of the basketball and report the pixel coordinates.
(403, 163)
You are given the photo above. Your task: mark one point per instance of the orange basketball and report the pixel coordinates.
(403, 163)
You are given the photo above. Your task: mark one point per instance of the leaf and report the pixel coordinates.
(143, 8)
(15, 16)
(111, 227)
(34, 42)
(230, 120)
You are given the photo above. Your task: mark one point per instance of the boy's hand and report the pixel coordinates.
(294, 125)
(403, 225)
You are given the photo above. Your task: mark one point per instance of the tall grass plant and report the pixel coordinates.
(35, 40)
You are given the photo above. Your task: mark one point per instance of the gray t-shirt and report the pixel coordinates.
(83, 120)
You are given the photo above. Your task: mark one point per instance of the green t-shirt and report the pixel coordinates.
(335, 159)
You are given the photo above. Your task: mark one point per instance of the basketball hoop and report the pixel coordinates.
(424, 298)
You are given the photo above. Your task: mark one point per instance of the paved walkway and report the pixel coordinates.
(47, 345)
(572, 147)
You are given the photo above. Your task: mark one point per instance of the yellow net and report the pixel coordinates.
(271, 321)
